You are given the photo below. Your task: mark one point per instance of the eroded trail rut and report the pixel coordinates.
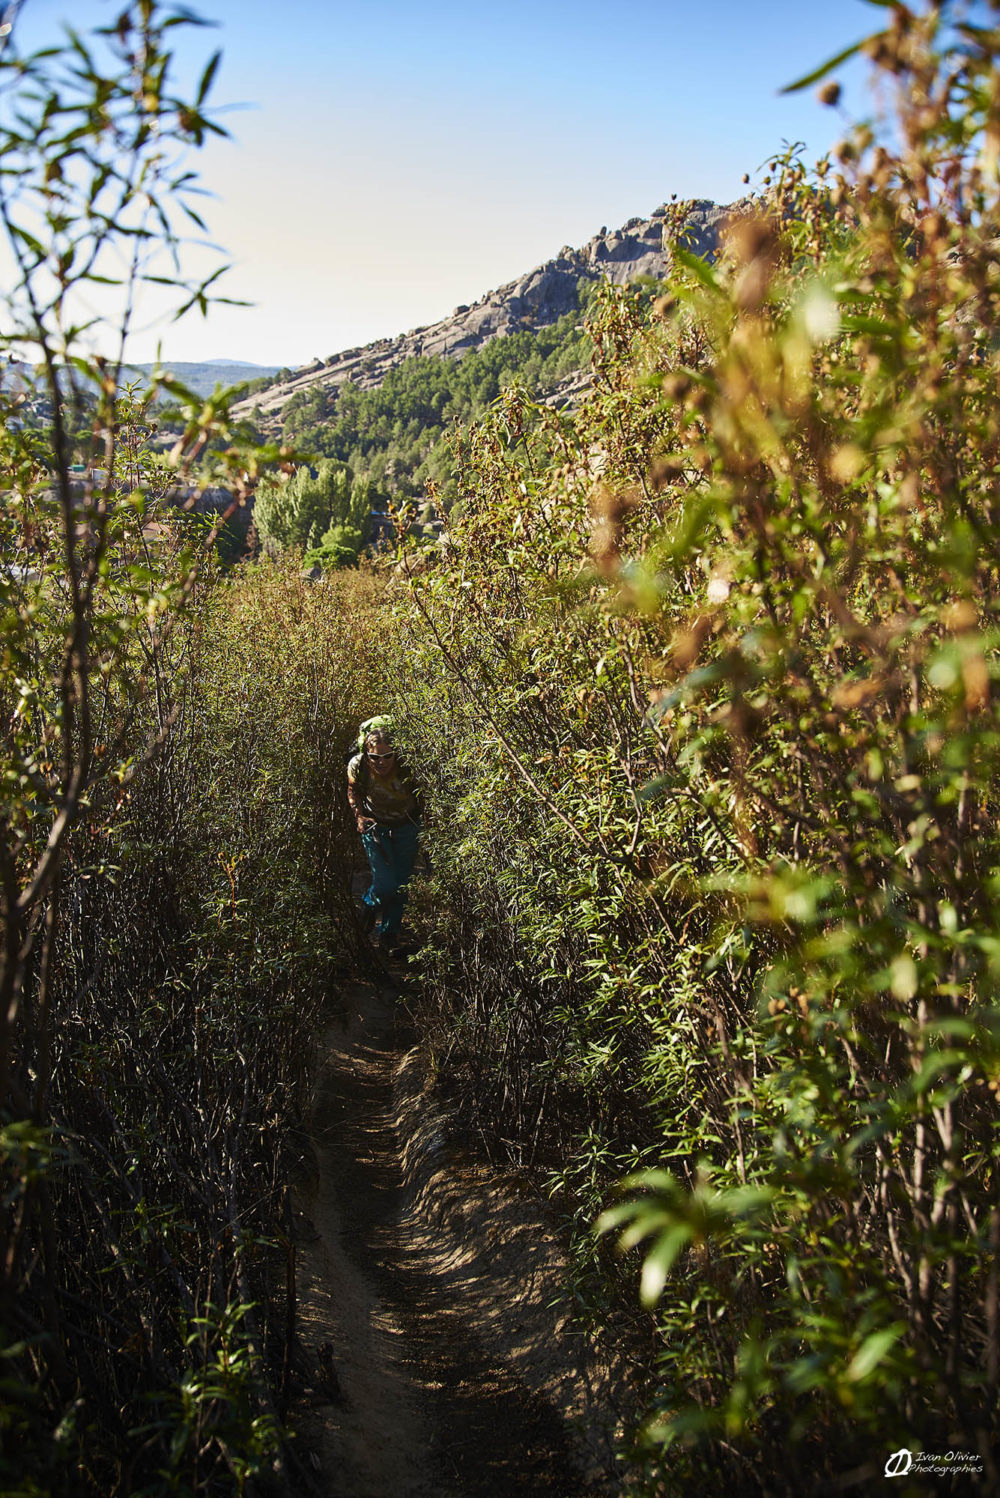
(442, 1371)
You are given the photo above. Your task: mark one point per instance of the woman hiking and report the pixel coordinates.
(387, 812)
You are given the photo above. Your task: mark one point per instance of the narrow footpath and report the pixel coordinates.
(440, 1367)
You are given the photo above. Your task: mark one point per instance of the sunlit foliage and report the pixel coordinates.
(708, 703)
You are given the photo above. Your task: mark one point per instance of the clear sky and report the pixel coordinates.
(390, 160)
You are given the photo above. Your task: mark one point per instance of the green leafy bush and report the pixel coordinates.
(322, 510)
(707, 704)
(398, 435)
(174, 895)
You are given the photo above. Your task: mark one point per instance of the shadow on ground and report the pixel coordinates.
(439, 1368)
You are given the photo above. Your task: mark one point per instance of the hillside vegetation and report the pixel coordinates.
(706, 707)
(394, 445)
(169, 918)
(704, 701)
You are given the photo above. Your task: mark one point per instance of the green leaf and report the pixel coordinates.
(934, 1064)
(960, 1029)
(872, 1350)
(648, 1220)
(181, 16)
(29, 240)
(697, 266)
(614, 1217)
(825, 68)
(856, 323)
(660, 1260)
(207, 77)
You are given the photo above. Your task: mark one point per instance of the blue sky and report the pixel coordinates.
(391, 160)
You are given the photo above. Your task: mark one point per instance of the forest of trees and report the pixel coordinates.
(704, 699)
(397, 440)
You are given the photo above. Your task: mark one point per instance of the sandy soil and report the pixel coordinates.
(435, 1362)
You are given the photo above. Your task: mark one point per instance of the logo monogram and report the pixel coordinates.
(899, 1463)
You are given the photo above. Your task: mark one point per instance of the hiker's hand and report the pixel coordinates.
(365, 824)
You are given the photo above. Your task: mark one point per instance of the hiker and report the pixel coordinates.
(387, 812)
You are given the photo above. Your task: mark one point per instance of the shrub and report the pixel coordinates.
(174, 892)
(707, 706)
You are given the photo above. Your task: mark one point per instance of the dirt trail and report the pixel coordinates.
(439, 1368)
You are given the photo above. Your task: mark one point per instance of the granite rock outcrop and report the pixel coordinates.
(642, 247)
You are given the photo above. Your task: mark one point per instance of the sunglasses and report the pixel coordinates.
(390, 755)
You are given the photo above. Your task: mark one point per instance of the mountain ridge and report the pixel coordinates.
(202, 375)
(641, 247)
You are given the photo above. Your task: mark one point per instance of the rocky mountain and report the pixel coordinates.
(540, 297)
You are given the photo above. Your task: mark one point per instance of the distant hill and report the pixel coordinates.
(203, 377)
(534, 301)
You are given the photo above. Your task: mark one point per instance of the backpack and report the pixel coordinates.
(381, 723)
